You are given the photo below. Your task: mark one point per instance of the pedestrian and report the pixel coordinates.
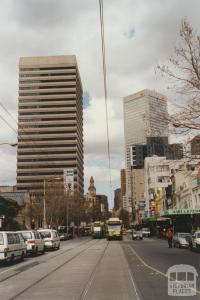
(169, 235)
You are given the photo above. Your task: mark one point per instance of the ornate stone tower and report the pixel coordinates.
(92, 188)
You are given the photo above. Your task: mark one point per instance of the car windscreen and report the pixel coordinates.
(183, 235)
(1, 239)
(27, 235)
(45, 234)
(198, 235)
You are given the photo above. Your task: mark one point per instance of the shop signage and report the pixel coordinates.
(182, 211)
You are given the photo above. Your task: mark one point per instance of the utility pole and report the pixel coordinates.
(44, 208)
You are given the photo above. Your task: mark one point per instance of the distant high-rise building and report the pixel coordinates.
(145, 123)
(50, 130)
(117, 199)
(123, 185)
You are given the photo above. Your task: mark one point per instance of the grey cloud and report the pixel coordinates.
(52, 27)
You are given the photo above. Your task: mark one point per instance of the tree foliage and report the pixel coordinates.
(124, 216)
(183, 71)
(9, 210)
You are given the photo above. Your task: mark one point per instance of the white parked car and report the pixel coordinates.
(137, 235)
(194, 243)
(51, 238)
(180, 240)
(34, 241)
(12, 246)
(146, 232)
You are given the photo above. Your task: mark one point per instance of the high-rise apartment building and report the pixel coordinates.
(117, 199)
(123, 185)
(50, 130)
(145, 116)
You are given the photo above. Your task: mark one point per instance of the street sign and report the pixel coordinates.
(69, 179)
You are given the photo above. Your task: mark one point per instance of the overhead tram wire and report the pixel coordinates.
(18, 135)
(105, 91)
(23, 131)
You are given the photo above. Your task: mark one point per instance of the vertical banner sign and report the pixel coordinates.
(69, 180)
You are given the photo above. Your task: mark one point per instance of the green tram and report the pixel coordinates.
(98, 230)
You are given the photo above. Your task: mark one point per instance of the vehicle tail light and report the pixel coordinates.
(31, 242)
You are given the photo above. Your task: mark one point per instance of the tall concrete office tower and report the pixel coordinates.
(144, 122)
(50, 130)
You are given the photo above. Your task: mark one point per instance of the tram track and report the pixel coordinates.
(54, 270)
(88, 285)
(36, 261)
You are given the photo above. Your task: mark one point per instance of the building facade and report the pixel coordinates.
(50, 122)
(145, 117)
(157, 178)
(138, 193)
(117, 199)
(123, 186)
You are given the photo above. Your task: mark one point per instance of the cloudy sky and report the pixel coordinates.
(139, 34)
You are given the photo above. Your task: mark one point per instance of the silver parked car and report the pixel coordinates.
(146, 232)
(180, 240)
(137, 235)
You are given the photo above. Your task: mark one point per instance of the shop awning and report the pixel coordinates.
(181, 211)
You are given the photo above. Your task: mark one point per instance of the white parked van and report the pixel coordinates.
(34, 241)
(12, 246)
(51, 238)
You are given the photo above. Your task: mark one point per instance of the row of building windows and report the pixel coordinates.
(38, 173)
(53, 80)
(46, 99)
(54, 106)
(46, 93)
(42, 159)
(39, 87)
(25, 140)
(47, 113)
(46, 146)
(33, 120)
(43, 167)
(45, 74)
(47, 126)
(47, 68)
(48, 152)
(47, 132)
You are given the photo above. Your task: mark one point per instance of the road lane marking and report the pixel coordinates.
(133, 281)
(150, 267)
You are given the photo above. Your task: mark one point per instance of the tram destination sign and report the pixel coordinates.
(182, 211)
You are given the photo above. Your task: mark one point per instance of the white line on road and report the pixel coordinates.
(150, 267)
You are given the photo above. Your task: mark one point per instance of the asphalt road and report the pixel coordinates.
(97, 270)
(149, 261)
(81, 269)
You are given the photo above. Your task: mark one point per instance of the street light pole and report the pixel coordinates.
(44, 208)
